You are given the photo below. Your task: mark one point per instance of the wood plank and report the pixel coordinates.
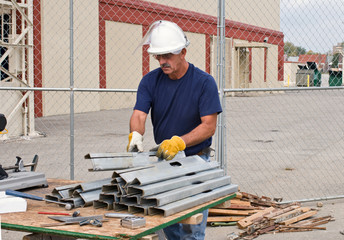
(303, 227)
(298, 218)
(279, 212)
(238, 195)
(249, 220)
(215, 211)
(290, 214)
(225, 204)
(240, 207)
(224, 219)
(240, 202)
(195, 219)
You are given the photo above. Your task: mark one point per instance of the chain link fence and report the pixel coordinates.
(70, 70)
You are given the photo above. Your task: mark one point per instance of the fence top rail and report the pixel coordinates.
(135, 90)
(281, 89)
(67, 89)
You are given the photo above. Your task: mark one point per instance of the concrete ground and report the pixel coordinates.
(274, 143)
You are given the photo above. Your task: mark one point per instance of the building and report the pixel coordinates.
(106, 33)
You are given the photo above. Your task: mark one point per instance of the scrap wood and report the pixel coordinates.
(243, 207)
(224, 219)
(259, 201)
(303, 227)
(260, 225)
(312, 222)
(273, 217)
(281, 211)
(255, 217)
(239, 202)
(290, 214)
(220, 211)
(299, 217)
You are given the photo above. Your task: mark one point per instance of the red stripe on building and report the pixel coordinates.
(207, 53)
(37, 57)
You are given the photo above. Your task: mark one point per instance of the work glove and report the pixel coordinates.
(169, 148)
(135, 142)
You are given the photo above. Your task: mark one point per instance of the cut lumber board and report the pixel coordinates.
(313, 222)
(240, 202)
(249, 220)
(298, 218)
(195, 219)
(290, 214)
(225, 204)
(303, 227)
(224, 219)
(281, 211)
(242, 207)
(238, 195)
(215, 211)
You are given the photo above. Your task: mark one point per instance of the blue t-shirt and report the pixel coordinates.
(178, 105)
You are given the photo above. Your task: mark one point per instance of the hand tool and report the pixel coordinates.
(71, 220)
(68, 206)
(94, 222)
(74, 214)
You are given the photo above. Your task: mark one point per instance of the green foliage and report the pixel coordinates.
(292, 51)
(335, 60)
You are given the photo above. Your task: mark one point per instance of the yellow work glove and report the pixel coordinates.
(169, 148)
(135, 142)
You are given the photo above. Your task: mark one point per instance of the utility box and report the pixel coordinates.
(308, 71)
(335, 78)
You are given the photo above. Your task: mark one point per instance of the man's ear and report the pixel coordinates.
(183, 53)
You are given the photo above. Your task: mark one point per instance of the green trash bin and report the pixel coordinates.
(335, 78)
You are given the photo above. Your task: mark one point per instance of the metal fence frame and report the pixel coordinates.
(220, 77)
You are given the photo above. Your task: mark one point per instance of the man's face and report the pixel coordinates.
(171, 64)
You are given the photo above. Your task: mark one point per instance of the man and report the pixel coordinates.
(184, 105)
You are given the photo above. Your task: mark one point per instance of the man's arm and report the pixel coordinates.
(202, 132)
(169, 148)
(137, 129)
(138, 121)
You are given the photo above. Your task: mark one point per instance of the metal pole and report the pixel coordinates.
(71, 91)
(221, 77)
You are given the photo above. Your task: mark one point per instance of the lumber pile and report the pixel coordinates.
(256, 215)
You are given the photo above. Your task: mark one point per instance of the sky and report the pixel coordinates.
(315, 25)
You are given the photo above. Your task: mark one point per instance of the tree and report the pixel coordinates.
(292, 51)
(335, 60)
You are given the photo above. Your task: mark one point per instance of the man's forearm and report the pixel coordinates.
(137, 122)
(202, 132)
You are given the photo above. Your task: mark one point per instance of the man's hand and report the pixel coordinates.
(169, 148)
(135, 142)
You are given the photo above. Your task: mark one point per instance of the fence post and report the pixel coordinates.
(220, 151)
(71, 90)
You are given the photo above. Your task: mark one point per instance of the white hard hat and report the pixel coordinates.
(165, 37)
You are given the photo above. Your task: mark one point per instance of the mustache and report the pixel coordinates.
(165, 65)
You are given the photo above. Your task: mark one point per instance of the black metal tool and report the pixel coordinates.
(73, 220)
(3, 173)
(94, 222)
(3, 122)
(68, 206)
